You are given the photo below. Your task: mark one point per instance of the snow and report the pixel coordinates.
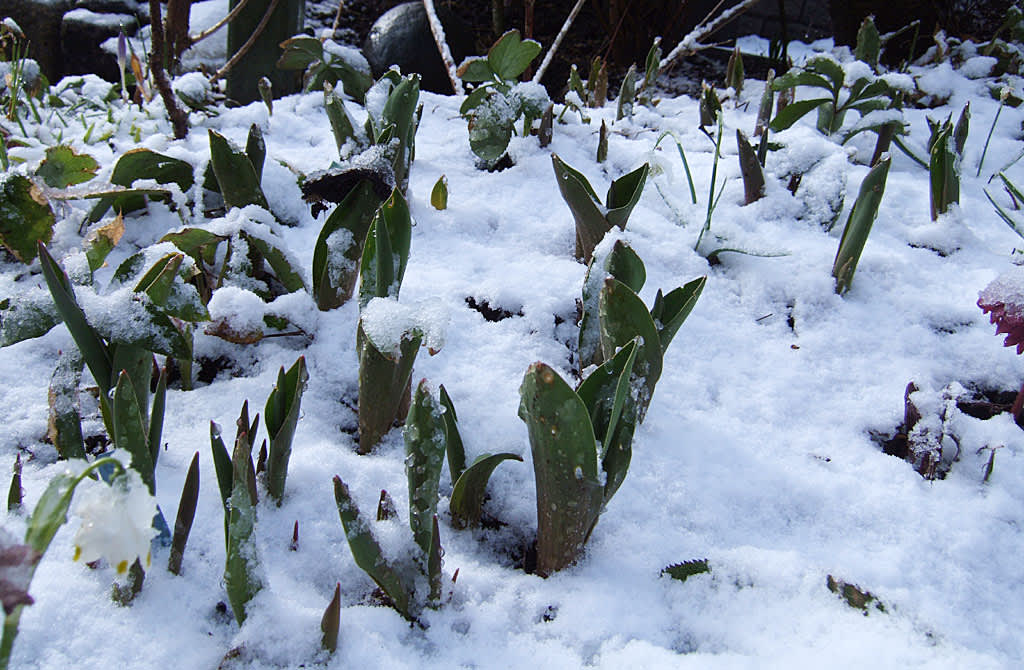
(760, 450)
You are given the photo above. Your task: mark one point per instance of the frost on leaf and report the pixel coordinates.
(1003, 301)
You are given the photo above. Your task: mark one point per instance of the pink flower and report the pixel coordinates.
(1003, 301)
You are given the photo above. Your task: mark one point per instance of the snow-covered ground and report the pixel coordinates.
(757, 452)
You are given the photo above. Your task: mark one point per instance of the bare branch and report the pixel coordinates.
(558, 40)
(690, 44)
(244, 49)
(220, 24)
(442, 46)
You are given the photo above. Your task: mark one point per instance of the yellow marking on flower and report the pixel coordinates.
(122, 567)
(78, 553)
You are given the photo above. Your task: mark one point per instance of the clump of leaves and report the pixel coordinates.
(326, 62)
(26, 217)
(498, 101)
(594, 220)
(864, 95)
(282, 415)
(574, 432)
(854, 596)
(686, 569)
(946, 147)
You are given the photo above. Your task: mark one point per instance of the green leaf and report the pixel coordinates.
(130, 431)
(627, 95)
(490, 131)
(569, 491)
(796, 77)
(331, 622)
(623, 264)
(607, 393)
(869, 42)
(750, 168)
(400, 111)
(156, 415)
(475, 99)
(366, 551)
(26, 218)
(792, 112)
(339, 246)
(439, 194)
(858, 226)
(943, 173)
(383, 386)
(687, 569)
(15, 494)
(386, 251)
(256, 150)
(734, 71)
(241, 569)
(963, 125)
(101, 241)
(94, 350)
(453, 441)
(50, 512)
(197, 243)
(1015, 225)
(424, 457)
(222, 467)
(828, 67)
(186, 515)
(278, 261)
(475, 69)
(671, 310)
(238, 180)
(63, 167)
(337, 115)
(585, 206)
(299, 52)
(510, 56)
(434, 565)
(159, 279)
(64, 427)
(470, 489)
(141, 164)
(624, 194)
(623, 316)
(281, 415)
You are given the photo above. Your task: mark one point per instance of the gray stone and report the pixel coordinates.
(402, 37)
(83, 31)
(41, 20)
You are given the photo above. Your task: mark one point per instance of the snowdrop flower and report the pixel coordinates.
(116, 521)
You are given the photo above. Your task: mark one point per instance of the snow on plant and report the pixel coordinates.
(497, 102)
(1003, 301)
(326, 61)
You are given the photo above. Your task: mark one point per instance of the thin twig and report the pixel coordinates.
(337, 18)
(248, 43)
(558, 41)
(193, 39)
(691, 43)
(442, 46)
(156, 67)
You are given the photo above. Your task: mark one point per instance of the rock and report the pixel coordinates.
(82, 32)
(402, 37)
(41, 21)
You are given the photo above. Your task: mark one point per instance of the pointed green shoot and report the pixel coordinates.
(341, 123)
(256, 151)
(386, 251)
(424, 457)
(624, 194)
(627, 95)
(186, 515)
(623, 264)
(750, 168)
(281, 416)
(383, 386)
(613, 414)
(434, 565)
(453, 441)
(869, 43)
(330, 623)
(623, 317)
(130, 431)
(241, 568)
(944, 173)
(569, 490)
(339, 246)
(15, 493)
(858, 226)
(237, 177)
(366, 551)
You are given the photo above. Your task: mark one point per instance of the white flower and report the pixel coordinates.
(116, 521)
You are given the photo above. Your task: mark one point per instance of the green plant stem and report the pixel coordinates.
(989, 138)
(711, 191)
(909, 152)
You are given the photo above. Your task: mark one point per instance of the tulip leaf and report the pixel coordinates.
(453, 441)
(64, 427)
(186, 515)
(623, 317)
(467, 499)
(383, 386)
(569, 490)
(386, 250)
(339, 246)
(424, 457)
(281, 416)
(858, 225)
(367, 552)
(671, 310)
(239, 182)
